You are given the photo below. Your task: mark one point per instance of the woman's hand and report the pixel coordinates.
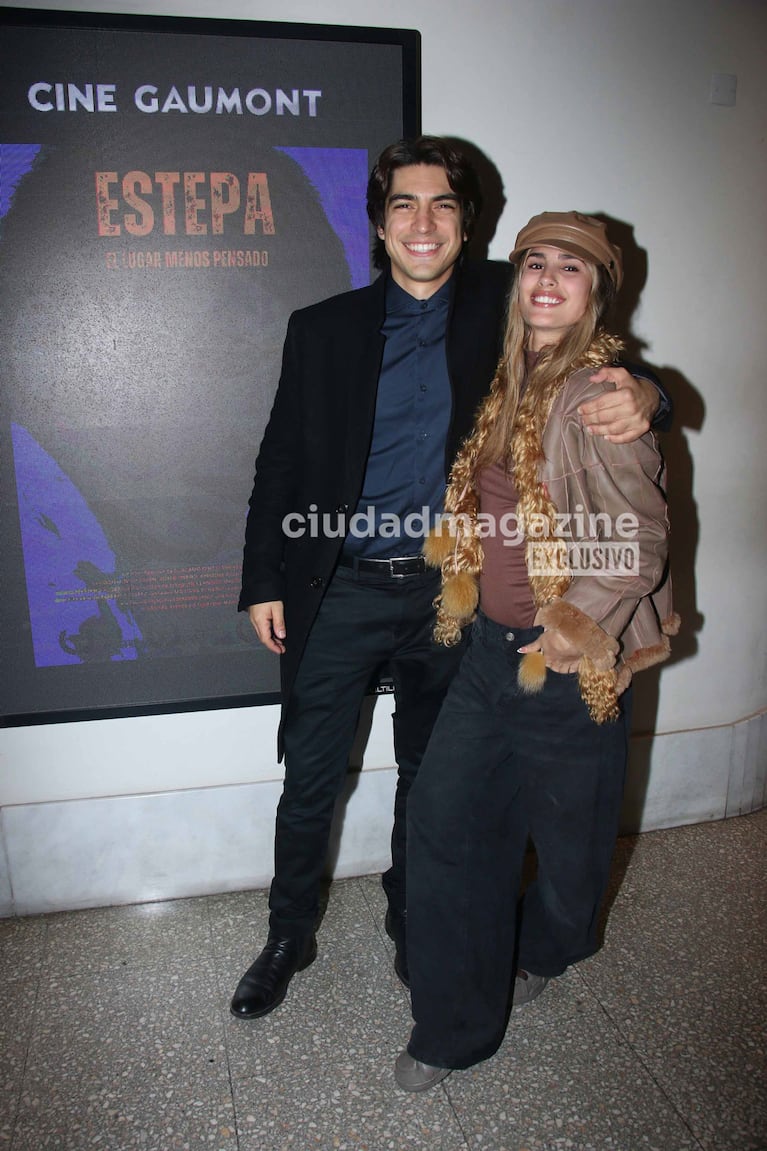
(559, 653)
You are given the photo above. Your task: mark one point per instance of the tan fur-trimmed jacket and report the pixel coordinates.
(586, 476)
(609, 502)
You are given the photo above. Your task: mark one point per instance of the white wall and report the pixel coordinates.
(600, 105)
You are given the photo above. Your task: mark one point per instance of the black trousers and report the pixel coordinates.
(502, 766)
(365, 620)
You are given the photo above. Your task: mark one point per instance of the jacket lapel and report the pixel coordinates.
(362, 364)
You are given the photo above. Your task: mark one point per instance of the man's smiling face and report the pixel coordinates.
(422, 229)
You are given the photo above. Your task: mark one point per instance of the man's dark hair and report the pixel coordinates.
(432, 150)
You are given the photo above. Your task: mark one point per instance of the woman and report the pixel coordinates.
(556, 555)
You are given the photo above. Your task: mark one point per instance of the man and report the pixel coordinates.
(378, 388)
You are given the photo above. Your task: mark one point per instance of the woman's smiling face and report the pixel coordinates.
(554, 291)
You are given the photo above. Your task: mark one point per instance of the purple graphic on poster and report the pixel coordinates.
(15, 161)
(340, 176)
(69, 566)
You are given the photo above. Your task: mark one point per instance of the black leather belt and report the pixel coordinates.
(398, 567)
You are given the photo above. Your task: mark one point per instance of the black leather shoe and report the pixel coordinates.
(263, 986)
(395, 926)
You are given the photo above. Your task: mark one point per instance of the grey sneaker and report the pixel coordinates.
(414, 1076)
(527, 987)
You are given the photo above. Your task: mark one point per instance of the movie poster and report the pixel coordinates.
(170, 190)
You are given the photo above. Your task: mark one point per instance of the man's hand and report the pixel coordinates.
(625, 414)
(268, 620)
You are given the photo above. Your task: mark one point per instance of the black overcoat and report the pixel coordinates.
(315, 447)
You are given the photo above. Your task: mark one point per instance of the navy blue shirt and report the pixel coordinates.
(404, 483)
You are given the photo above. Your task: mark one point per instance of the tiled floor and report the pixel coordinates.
(116, 1033)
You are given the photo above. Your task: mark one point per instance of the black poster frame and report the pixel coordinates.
(81, 89)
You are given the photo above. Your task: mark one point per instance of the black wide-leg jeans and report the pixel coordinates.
(365, 620)
(502, 766)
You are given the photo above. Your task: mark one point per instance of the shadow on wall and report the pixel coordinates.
(689, 413)
(493, 197)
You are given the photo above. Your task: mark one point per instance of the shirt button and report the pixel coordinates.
(509, 636)
(423, 387)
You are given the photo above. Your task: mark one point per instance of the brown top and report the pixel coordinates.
(504, 589)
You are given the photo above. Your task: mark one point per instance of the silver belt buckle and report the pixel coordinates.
(402, 560)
